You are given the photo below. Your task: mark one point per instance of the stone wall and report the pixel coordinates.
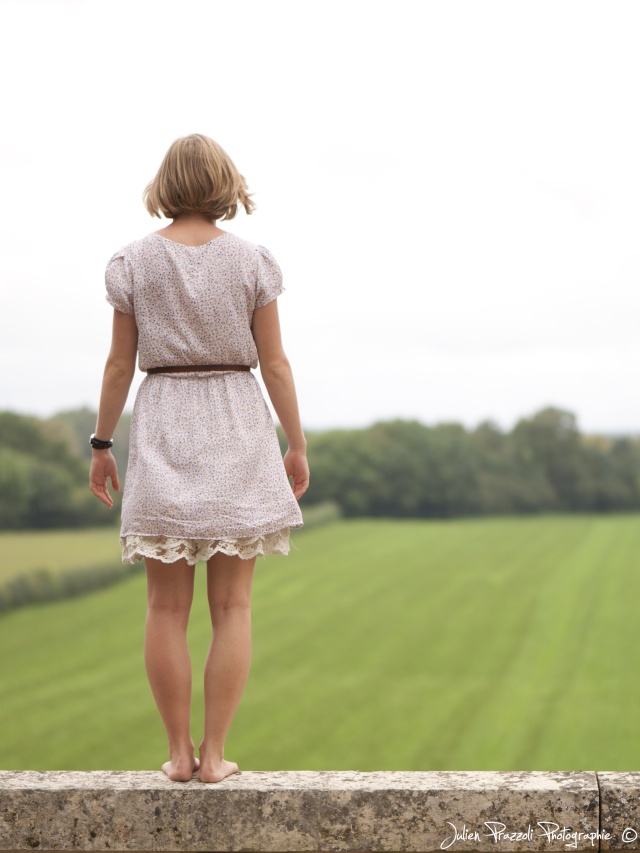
(306, 811)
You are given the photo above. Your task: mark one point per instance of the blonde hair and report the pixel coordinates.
(197, 176)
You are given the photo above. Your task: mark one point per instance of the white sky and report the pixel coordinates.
(452, 190)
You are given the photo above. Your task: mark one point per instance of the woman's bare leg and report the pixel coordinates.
(167, 659)
(229, 581)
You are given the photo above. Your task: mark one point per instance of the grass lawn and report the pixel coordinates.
(58, 550)
(471, 644)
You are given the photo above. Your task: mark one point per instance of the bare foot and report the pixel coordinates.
(216, 772)
(182, 769)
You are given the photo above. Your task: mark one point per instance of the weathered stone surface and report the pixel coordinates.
(620, 810)
(300, 811)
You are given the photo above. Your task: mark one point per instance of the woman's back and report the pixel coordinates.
(193, 304)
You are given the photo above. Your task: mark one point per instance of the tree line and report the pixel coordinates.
(404, 468)
(396, 468)
(44, 471)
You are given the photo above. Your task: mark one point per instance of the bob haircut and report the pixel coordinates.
(197, 176)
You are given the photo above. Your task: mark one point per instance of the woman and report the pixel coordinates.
(205, 479)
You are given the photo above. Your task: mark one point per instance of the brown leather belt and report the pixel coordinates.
(188, 368)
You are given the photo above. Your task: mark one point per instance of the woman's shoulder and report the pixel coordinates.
(257, 254)
(241, 245)
(127, 250)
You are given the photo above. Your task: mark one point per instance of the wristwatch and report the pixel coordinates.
(99, 444)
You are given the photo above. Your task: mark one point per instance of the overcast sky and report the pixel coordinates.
(452, 190)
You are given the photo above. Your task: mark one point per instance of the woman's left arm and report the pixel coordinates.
(118, 375)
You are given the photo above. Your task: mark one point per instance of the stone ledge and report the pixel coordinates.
(305, 811)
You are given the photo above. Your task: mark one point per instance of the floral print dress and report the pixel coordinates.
(205, 470)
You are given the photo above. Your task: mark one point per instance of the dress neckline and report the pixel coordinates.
(186, 246)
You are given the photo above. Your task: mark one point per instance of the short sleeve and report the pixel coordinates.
(268, 278)
(119, 285)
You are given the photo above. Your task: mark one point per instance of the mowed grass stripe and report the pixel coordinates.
(528, 673)
(378, 644)
(603, 691)
(423, 674)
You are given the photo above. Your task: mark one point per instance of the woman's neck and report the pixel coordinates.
(192, 228)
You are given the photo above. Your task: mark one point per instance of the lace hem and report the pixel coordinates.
(168, 549)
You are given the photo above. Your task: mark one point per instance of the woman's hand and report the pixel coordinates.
(296, 466)
(103, 466)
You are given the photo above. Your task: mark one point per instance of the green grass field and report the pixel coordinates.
(57, 549)
(472, 644)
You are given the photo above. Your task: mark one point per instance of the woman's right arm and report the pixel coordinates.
(278, 379)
